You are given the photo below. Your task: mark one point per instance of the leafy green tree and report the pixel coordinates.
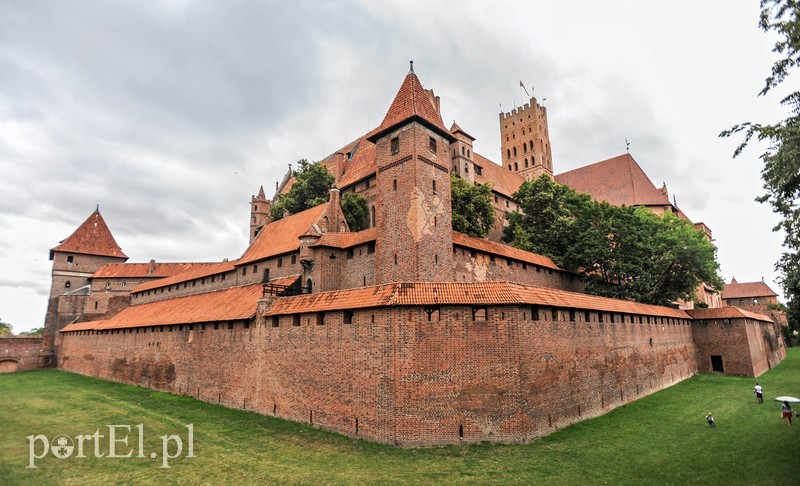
(311, 188)
(545, 223)
(620, 252)
(356, 211)
(781, 171)
(472, 208)
(36, 330)
(5, 328)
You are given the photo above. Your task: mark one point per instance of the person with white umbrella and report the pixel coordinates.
(786, 409)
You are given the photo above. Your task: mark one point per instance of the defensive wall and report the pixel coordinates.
(20, 353)
(406, 374)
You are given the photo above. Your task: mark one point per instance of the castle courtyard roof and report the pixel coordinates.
(744, 290)
(92, 238)
(618, 181)
(195, 271)
(457, 294)
(232, 304)
(727, 313)
(495, 248)
(282, 236)
(142, 270)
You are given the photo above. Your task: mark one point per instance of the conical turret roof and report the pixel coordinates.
(411, 103)
(92, 238)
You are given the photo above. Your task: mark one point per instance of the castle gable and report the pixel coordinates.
(618, 181)
(283, 235)
(92, 238)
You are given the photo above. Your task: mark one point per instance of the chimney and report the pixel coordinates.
(334, 196)
(152, 268)
(435, 101)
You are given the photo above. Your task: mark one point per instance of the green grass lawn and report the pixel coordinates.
(660, 439)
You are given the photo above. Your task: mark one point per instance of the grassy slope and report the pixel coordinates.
(661, 439)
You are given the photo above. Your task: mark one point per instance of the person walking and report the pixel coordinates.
(710, 419)
(759, 392)
(786, 412)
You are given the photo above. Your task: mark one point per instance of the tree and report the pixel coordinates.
(311, 188)
(5, 329)
(781, 172)
(472, 208)
(620, 252)
(356, 211)
(545, 225)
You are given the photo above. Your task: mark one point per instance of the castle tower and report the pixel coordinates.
(461, 153)
(259, 213)
(75, 259)
(415, 239)
(525, 141)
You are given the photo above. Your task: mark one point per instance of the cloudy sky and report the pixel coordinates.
(171, 114)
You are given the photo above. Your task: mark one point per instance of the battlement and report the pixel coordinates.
(524, 108)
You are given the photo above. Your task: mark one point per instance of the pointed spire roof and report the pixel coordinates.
(455, 129)
(92, 238)
(261, 194)
(411, 103)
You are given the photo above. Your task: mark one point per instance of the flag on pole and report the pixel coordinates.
(523, 87)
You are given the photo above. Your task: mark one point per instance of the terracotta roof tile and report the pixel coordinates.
(727, 313)
(233, 304)
(503, 250)
(347, 240)
(92, 238)
(83, 326)
(736, 290)
(455, 129)
(282, 236)
(484, 293)
(141, 270)
(503, 181)
(618, 181)
(411, 102)
(197, 270)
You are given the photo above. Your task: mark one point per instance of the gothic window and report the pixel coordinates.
(524, 148)
(309, 285)
(462, 150)
(526, 163)
(395, 145)
(468, 156)
(394, 184)
(516, 166)
(255, 208)
(124, 284)
(508, 154)
(372, 217)
(515, 151)
(280, 262)
(434, 187)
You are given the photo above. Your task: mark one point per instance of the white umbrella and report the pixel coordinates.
(787, 399)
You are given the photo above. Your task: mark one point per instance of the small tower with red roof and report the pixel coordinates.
(414, 241)
(260, 208)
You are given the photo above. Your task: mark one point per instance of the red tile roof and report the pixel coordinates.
(736, 290)
(411, 102)
(484, 293)
(347, 240)
(198, 270)
(233, 304)
(503, 181)
(727, 313)
(83, 326)
(492, 247)
(282, 236)
(455, 129)
(141, 270)
(618, 181)
(92, 238)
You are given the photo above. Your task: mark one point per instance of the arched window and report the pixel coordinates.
(108, 284)
(67, 284)
(372, 217)
(462, 150)
(516, 167)
(468, 155)
(524, 148)
(124, 283)
(515, 151)
(254, 220)
(309, 286)
(508, 154)
(526, 162)
(531, 142)
(294, 259)
(255, 208)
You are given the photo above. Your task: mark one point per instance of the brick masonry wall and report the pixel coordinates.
(747, 347)
(404, 380)
(481, 268)
(20, 353)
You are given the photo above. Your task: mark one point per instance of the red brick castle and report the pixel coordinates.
(406, 332)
